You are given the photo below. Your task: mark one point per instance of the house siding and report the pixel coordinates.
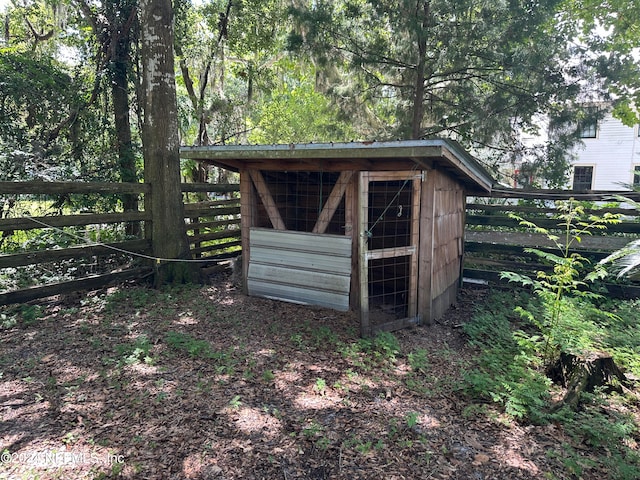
(613, 153)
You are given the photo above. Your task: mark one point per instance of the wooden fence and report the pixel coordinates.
(212, 225)
(495, 242)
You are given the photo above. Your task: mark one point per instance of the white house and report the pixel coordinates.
(609, 158)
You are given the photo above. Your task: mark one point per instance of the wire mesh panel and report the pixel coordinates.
(301, 198)
(390, 214)
(388, 288)
(391, 232)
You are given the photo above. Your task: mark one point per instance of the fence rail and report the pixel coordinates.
(495, 242)
(212, 227)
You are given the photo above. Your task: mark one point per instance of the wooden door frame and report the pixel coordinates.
(365, 255)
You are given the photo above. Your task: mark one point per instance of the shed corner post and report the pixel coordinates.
(247, 208)
(362, 221)
(425, 260)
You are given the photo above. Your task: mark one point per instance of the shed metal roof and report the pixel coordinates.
(439, 153)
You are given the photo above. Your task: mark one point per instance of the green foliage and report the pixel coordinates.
(369, 352)
(567, 277)
(508, 366)
(194, 347)
(296, 113)
(419, 360)
(25, 315)
(137, 352)
(607, 431)
(509, 372)
(412, 419)
(383, 347)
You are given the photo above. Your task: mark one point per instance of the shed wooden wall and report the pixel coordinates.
(448, 241)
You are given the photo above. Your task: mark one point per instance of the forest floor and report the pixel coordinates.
(206, 383)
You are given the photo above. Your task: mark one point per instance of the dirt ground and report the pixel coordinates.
(122, 384)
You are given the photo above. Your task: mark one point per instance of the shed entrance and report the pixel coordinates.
(389, 236)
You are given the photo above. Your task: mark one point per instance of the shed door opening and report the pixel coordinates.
(389, 235)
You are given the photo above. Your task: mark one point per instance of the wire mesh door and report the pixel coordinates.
(389, 235)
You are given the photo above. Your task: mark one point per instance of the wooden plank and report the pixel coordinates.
(395, 175)
(212, 212)
(247, 218)
(443, 302)
(217, 247)
(30, 223)
(518, 250)
(528, 209)
(333, 202)
(390, 252)
(267, 200)
(210, 187)
(55, 188)
(82, 284)
(212, 203)
(425, 259)
(54, 255)
(206, 237)
(363, 263)
(550, 194)
(212, 224)
(526, 239)
(351, 231)
(548, 223)
(412, 298)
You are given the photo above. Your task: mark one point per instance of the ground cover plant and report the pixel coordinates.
(204, 382)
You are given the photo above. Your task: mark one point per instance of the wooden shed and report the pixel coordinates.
(377, 227)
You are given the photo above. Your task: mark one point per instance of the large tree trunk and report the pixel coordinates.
(418, 98)
(161, 143)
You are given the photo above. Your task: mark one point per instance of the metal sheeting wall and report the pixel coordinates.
(300, 267)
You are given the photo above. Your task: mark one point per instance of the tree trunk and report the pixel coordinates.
(161, 143)
(418, 98)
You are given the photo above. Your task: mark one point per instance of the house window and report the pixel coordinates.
(582, 178)
(636, 176)
(589, 129)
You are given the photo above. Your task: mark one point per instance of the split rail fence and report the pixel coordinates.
(88, 260)
(495, 242)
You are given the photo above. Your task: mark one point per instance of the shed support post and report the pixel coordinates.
(247, 210)
(425, 259)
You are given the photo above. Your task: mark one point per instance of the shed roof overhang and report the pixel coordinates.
(397, 155)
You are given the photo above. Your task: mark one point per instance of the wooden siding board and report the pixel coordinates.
(300, 267)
